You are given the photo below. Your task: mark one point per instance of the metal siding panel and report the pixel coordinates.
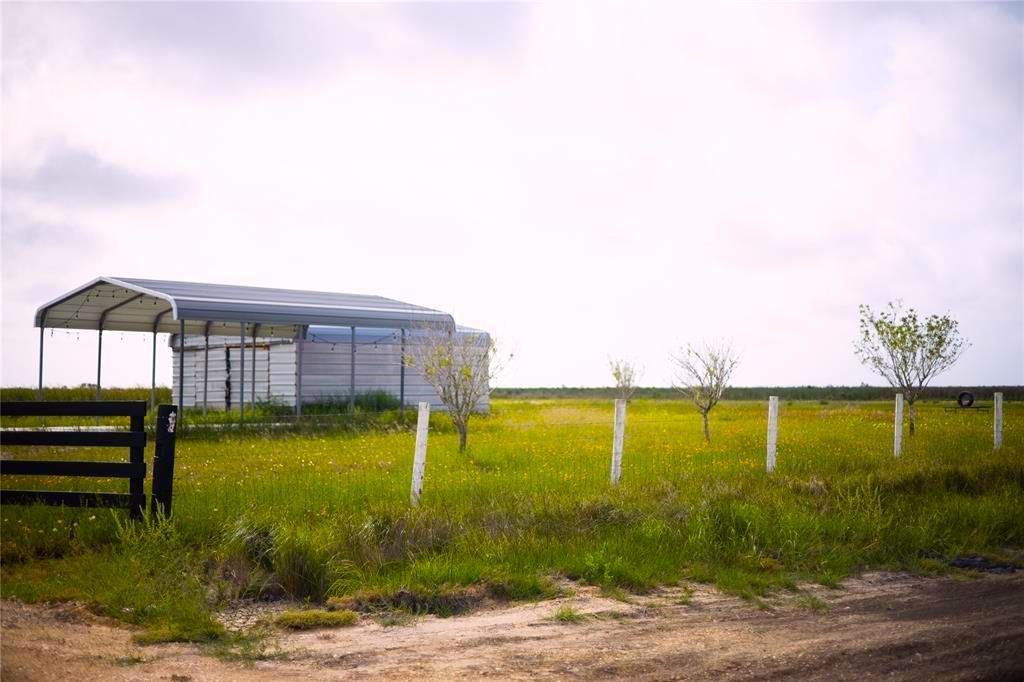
(282, 374)
(325, 375)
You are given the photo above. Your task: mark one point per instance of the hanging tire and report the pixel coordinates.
(965, 399)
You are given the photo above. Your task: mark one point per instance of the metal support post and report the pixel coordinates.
(401, 375)
(241, 374)
(206, 364)
(42, 328)
(152, 386)
(181, 372)
(352, 373)
(99, 361)
(255, 328)
(300, 339)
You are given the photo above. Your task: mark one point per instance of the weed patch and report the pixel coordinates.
(313, 619)
(568, 614)
(812, 603)
(441, 602)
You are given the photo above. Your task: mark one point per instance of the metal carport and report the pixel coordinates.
(155, 306)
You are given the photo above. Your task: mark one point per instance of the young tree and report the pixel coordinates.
(626, 375)
(907, 351)
(702, 374)
(458, 365)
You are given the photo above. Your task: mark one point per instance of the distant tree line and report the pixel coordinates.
(940, 393)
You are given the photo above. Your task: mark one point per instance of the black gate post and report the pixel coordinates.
(163, 459)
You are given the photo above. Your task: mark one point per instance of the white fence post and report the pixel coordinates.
(997, 435)
(620, 428)
(897, 434)
(419, 461)
(773, 429)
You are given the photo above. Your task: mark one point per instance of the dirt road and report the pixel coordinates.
(879, 625)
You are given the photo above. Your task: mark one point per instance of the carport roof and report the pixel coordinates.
(148, 305)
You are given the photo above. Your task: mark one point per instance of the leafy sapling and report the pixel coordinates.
(908, 351)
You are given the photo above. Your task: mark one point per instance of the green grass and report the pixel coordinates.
(372, 410)
(85, 392)
(812, 603)
(311, 516)
(567, 614)
(313, 619)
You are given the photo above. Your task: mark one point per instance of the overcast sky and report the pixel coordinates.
(583, 181)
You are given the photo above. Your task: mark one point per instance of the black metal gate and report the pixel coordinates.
(134, 469)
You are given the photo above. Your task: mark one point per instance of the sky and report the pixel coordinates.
(584, 181)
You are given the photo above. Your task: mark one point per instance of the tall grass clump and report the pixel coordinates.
(147, 577)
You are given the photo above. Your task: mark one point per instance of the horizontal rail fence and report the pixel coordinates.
(134, 469)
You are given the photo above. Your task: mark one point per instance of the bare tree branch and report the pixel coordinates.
(459, 365)
(702, 374)
(626, 374)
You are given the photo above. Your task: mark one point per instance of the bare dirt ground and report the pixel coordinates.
(880, 625)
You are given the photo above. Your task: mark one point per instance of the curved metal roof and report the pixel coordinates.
(129, 304)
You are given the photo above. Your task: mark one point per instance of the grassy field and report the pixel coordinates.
(324, 516)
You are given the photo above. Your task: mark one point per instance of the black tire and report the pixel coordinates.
(965, 399)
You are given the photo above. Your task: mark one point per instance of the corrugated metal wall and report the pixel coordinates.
(325, 371)
(225, 370)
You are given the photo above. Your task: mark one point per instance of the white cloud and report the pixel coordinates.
(610, 179)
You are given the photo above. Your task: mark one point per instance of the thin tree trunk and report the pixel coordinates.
(707, 431)
(910, 416)
(463, 435)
